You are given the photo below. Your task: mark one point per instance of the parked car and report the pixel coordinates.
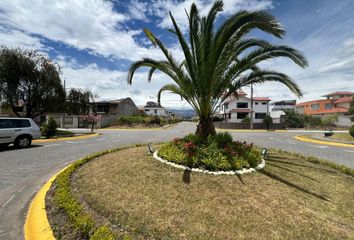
(19, 131)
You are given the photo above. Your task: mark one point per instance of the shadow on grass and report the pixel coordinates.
(292, 171)
(290, 184)
(186, 178)
(240, 178)
(298, 164)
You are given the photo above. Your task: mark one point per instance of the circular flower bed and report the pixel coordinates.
(216, 153)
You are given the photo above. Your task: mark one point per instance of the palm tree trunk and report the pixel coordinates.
(205, 128)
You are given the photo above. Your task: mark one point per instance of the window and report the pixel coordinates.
(147, 110)
(256, 103)
(14, 123)
(260, 115)
(315, 106)
(155, 111)
(229, 115)
(242, 115)
(328, 106)
(69, 120)
(226, 105)
(6, 123)
(242, 105)
(264, 103)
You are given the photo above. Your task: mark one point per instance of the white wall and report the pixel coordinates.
(159, 111)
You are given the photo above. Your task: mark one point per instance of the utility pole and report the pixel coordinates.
(63, 118)
(251, 117)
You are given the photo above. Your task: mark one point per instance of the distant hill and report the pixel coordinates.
(184, 113)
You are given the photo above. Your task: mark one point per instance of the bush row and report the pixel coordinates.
(79, 219)
(147, 120)
(215, 153)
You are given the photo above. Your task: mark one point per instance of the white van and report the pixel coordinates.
(19, 131)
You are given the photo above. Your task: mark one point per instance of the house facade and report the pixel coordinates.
(334, 103)
(155, 109)
(278, 108)
(236, 109)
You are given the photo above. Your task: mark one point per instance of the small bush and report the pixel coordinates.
(129, 120)
(222, 139)
(246, 120)
(351, 131)
(50, 128)
(267, 120)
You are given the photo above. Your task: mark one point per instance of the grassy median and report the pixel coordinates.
(136, 196)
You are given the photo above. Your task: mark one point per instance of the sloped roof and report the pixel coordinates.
(339, 93)
(343, 100)
(261, 99)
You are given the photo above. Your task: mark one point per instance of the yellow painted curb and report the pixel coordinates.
(65, 138)
(311, 140)
(37, 226)
(249, 130)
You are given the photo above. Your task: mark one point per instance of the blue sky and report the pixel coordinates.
(95, 41)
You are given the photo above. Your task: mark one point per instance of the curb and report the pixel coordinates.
(310, 140)
(37, 226)
(248, 130)
(133, 129)
(65, 138)
(198, 170)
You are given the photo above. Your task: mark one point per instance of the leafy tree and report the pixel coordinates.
(31, 79)
(78, 101)
(267, 120)
(311, 120)
(330, 121)
(294, 119)
(218, 62)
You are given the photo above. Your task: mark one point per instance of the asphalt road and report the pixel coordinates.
(22, 172)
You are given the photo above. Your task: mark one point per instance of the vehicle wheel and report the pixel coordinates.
(23, 142)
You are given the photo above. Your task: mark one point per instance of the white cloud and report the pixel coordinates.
(178, 9)
(112, 84)
(15, 38)
(90, 25)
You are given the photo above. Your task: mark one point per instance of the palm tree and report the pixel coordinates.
(220, 61)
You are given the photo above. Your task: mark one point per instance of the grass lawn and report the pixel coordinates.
(343, 137)
(138, 196)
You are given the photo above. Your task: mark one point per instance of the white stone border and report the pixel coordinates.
(236, 172)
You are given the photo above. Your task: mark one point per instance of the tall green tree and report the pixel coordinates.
(218, 62)
(78, 100)
(30, 79)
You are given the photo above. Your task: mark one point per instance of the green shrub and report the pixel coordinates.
(50, 128)
(246, 120)
(196, 139)
(267, 120)
(129, 120)
(217, 153)
(102, 233)
(351, 131)
(223, 139)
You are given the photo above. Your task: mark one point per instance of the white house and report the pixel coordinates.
(236, 109)
(155, 109)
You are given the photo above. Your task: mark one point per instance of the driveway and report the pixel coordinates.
(22, 172)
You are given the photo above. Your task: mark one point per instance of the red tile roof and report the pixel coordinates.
(339, 93)
(261, 99)
(343, 100)
(239, 110)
